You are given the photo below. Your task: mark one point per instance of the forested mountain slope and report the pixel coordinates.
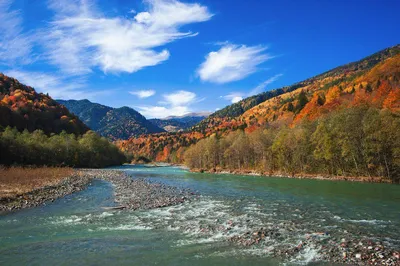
(228, 116)
(112, 123)
(372, 83)
(23, 108)
(37, 130)
(378, 87)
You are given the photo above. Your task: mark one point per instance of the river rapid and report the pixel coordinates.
(235, 220)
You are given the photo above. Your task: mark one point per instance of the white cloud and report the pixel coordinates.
(143, 93)
(234, 97)
(179, 98)
(163, 111)
(15, 46)
(81, 38)
(177, 103)
(261, 87)
(231, 63)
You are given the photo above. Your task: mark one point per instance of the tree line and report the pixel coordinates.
(37, 148)
(357, 141)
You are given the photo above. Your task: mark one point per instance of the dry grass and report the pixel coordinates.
(18, 180)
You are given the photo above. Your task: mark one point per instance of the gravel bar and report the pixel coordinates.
(139, 193)
(130, 193)
(40, 196)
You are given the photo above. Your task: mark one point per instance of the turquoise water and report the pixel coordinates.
(77, 230)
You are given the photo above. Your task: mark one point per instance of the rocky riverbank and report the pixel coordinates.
(129, 193)
(344, 251)
(37, 197)
(139, 193)
(297, 176)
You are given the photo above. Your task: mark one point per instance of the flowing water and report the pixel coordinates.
(77, 230)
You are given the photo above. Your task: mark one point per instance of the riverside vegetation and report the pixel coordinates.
(37, 148)
(358, 141)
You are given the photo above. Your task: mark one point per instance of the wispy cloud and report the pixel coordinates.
(179, 98)
(232, 62)
(143, 93)
(15, 46)
(57, 87)
(177, 103)
(81, 38)
(261, 87)
(235, 97)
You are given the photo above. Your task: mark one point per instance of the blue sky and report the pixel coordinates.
(167, 57)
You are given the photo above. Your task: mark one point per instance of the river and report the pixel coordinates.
(76, 229)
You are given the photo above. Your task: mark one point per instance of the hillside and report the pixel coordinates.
(227, 117)
(23, 108)
(112, 123)
(37, 130)
(179, 123)
(373, 82)
(378, 87)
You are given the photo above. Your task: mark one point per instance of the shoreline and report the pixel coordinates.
(220, 171)
(295, 176)
(128, 193)
(141, 194)
(49, 193)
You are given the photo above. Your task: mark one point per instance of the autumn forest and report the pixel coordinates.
(343, 122)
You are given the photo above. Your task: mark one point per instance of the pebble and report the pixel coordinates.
(129, 193)
(139, 193)
(345, 251)
(40, 196)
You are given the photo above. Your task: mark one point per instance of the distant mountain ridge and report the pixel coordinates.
(193, 114)
(180, 123)
(112, 123)
(23, 108)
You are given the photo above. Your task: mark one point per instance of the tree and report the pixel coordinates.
(301, 101)
(62, 149)
(290, 107)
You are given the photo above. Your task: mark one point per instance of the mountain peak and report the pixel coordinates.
(113, 123)
(192, 114)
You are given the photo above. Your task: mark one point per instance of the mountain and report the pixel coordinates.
(324, 81)
(193, 114)
(113, 123)
(23, 108)
(373, 81)
(180, 123)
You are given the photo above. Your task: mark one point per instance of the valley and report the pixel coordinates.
(173, 132)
